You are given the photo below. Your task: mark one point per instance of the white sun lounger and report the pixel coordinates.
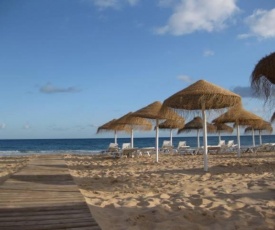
(182, 147)
(166, 147)
(126, 150)
(113, 149)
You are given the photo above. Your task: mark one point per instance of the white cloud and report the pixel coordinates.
(185, 78)
(199, 15)
(244, 36)
(208, 53)
(113, 3)
(261, 24)
(49, 89)
(26, 126)
(2, 125)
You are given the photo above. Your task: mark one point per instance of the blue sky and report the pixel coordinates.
(68, 66)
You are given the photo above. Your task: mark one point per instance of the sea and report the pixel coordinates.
(98, 145)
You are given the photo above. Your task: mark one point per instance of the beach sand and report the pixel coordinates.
(10, 165)
(138, 193)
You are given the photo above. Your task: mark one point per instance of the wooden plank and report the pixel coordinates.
(43, 195)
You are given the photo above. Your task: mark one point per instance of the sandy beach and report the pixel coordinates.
(138, 193)
(10, 165)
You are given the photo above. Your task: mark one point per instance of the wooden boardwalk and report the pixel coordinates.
(43, 195)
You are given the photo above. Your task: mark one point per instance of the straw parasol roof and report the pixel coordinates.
(172, 124)
(134, 122)
(261, 126)
(264, 126)
(112, 126)
(239, 116)
(203, 95)
(263, 75)
(223, 128)
(156, 111)
(197, 124)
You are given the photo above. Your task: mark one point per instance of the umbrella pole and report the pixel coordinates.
(253, 137)
(205, 139)
(132, 138)
(260, 137)
(219, 137)
(171, 137)
(157, 140)
(198, 138)
(239, 140)
(115, 137)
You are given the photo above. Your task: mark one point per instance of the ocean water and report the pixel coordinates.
(95, 145)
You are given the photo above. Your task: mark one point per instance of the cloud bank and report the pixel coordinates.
(199, 15)
(51, 89)
(189, 16)
(261, 24)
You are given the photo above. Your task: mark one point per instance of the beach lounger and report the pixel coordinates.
(230, 147)
(146, 150)
(166, 147)
(216, 148)
(126, 150)
(268, 147)
(258, 148)
(182, 147)
(193, 151)
(113, 149)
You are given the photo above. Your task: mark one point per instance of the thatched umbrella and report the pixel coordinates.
(153, 111)
(172, 124)
(262, 126)
(223, 128)
(134, 122)
(112, 126)
(272, 118)
(263, 76)
(197, 124)
(239, 116)
(203, 95)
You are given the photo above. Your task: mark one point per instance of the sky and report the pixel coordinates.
(69, 66)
